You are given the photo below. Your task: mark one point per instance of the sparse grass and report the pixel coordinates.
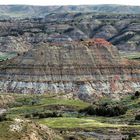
(74, 123)
(26, 107)
(47, 103)
(5, 134)
(130, 55)
(74, 103)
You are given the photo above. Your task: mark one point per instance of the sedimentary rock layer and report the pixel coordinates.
(21, 35)
(87, 69)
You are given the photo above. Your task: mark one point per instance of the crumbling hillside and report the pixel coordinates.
(87, 69)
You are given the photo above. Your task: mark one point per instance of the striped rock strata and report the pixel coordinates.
(87, 69)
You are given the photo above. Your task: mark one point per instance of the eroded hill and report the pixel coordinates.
(21, 35)
(86, 69)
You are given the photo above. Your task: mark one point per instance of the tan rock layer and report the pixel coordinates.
(86, 68)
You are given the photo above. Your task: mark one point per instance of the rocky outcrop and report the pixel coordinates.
(29, 130)
(88, 69)
(21, 35)
(5, 100)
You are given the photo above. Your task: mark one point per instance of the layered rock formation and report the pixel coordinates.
(20, 35)
(87, 69)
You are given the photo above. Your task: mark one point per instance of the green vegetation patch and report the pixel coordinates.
(131, 55)
(54, 101)
(63, 114)
(30, 104)
(69, 123)
(6, 134)
(6, 56)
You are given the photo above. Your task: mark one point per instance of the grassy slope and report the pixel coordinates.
(70, 122)
(82, 123)
(43, 103)
(99, 122)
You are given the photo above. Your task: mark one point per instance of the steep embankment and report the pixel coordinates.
(87, 69)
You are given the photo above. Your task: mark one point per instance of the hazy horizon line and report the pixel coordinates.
(68, 5)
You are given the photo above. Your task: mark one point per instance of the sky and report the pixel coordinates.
(70, 2)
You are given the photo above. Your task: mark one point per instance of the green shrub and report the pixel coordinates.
(137, 117)
(43, 115)
(28, 116)
(105, 110)
(3, 117)
(136, 95)
(90, 110)
(47, 115)
(27, 101)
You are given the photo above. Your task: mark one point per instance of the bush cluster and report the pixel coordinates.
(136, 95)
(26, 101)
(43, 115)
(3, 117)
(137, 117)
(105, 110)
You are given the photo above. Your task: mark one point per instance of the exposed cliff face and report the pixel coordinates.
(20, 35)
(88, 69)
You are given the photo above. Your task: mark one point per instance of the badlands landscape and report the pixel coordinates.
(69, 72)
